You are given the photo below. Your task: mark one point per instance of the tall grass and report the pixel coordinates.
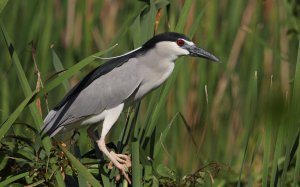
(229, 124)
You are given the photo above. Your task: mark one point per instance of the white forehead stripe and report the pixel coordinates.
(188, 42)
(168, 48)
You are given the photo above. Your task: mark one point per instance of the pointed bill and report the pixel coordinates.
(198, 52)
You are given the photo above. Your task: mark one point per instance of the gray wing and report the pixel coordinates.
(105, 92)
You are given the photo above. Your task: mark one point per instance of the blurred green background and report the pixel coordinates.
(229, 124)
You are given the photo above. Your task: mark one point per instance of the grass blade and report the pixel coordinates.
(71, 71)
(183, 15)
(162, 99)
(12, 118)
(5, 102)
(14, 178)
(80, 168)
(2, 4)
(59, 67)
(297, 167)
(163, 136)
(251, 113)
(136, 172)
(296, 110)
(27, 91)
(24, 84)
(266, 157)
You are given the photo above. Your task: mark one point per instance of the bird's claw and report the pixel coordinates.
(122, 159)
(124, 163)
(124, 173)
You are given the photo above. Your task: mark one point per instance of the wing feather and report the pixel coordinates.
(92, 97)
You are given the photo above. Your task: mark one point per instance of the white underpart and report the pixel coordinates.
(94, 118)
(109, 116)
(166, 74)
(150, 83)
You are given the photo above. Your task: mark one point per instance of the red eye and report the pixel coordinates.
(180, 42)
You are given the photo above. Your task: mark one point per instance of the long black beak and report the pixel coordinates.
(198, 52)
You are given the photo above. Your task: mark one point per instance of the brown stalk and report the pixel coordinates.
(232, 61)
(284, 48)
(70, 22)
(38, 73)
(157, 19)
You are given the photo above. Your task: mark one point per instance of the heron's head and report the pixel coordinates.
(176, 44)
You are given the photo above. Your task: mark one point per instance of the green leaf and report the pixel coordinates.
(297, 166)
(80, 168)
(33, 96)
(159, 106)
(3, 161)
(59, 67)
(24, 84)
(149, 178)
(296, 109)
(7, 124)
(148, 22)
(251, 114)
(13, 178)
(163, 136)
(2, 4)
(183, 15)
(38, 121)
(38, 183)
(135, 31)
(136, 169)
(165, 172)
(5, 101)
(71, 71)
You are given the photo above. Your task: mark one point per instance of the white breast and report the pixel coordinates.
(162, 78)
(154, 73)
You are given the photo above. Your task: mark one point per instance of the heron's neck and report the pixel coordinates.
(156, 67)
(157, 60)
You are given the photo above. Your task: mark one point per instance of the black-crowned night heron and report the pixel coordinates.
(104, 92)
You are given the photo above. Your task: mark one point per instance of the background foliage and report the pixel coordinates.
(229, 124)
